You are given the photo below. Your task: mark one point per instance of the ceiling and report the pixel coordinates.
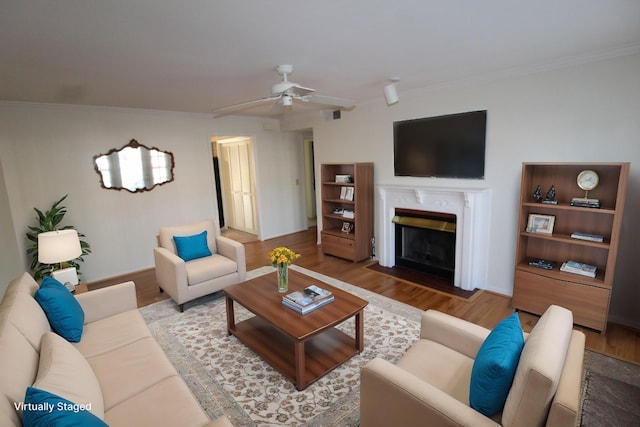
(196, 55)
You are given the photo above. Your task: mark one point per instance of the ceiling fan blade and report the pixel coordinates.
(301, 90)
(227, 109)
(331, 101)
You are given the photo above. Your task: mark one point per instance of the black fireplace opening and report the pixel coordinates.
(426, 241)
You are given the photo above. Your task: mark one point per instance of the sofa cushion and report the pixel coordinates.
(128, 370)
(179, 407)
(212, 267)
(66, 373)
(63, 311)
(45, 409)
(440, 366)
(539, 369)
(110, 333)
(192, 247)
(495, 365)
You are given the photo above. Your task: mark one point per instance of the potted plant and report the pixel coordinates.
(50, 221)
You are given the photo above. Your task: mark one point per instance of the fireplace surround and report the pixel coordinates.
(472, 210)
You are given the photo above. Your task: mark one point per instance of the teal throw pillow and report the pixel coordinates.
(192, 247)
(495, 366)
(44, 409)
(50, 281)
(62, 309)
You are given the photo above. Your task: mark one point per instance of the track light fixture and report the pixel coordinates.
(391, 92)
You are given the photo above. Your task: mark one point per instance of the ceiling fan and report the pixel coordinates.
(283, 95)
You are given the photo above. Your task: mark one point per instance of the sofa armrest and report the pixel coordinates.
(235, 251)
(391, 396)
(457, 334)
(106, 302)
(566, 402)
(171, 274)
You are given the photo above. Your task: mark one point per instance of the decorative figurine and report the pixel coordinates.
(550, 198)
(537, 195)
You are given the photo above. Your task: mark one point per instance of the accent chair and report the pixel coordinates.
(194, 260)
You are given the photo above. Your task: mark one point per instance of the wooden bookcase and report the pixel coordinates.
(355, 245)
(536, 288)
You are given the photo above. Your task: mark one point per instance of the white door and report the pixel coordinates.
(236, 168)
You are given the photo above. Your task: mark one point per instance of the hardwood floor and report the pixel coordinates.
(485, 308)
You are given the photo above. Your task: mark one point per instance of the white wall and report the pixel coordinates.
(10, 263)
(47, 151)
(586, 113)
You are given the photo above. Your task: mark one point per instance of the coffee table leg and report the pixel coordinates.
(300, 366)
(231, 321)
(360, 331)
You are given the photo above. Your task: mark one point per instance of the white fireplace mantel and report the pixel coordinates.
(472, 208)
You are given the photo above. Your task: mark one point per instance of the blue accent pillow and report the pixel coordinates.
(44, 409)
(192, 247)
(62, 309)
(495, 366)
(50, 281)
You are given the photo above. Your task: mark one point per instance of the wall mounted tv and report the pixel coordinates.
(450, 146)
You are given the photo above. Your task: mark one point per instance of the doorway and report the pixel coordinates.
(236, 176)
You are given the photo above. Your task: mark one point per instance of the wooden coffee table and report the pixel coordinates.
(301, 347)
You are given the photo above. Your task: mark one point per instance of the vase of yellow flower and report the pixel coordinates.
(281, 258)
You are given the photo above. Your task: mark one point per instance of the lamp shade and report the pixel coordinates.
(58, 246)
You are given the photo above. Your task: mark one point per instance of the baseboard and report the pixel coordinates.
(135, 276)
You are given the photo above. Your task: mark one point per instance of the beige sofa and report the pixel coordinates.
(429, 386)
(186, 281)
(117, 366)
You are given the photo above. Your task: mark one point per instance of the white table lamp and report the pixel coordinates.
(58, 247)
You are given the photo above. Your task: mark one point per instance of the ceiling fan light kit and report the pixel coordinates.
(284, 93)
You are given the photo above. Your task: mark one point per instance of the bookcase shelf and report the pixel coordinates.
(537, 288)
(356, 196)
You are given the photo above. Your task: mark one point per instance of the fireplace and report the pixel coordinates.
(471, 209)
(426, 241)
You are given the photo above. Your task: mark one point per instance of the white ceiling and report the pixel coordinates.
(196, 55)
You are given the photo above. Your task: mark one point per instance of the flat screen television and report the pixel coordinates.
(449, 146)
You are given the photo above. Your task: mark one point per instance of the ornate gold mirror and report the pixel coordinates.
(134, 167)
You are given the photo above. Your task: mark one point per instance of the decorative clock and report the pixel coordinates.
(587, 180)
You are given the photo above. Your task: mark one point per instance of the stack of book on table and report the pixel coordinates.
(579, 268)
(308, 299)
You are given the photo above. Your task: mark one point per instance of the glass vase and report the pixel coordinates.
(283, 277)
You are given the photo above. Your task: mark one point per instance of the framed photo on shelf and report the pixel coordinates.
(542, 224)
(347, 227)
(349, 194)
(343, 193)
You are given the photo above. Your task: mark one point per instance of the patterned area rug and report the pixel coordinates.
(228, 378)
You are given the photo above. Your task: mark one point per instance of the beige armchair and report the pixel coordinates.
(430, 384)
(188, 280)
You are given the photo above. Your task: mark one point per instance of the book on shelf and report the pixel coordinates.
(587, 236)
(307, 296)
(585, 203)
(309, 308)
(579, 268)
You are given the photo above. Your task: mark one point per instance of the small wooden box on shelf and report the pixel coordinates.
(347, 210)
(537, 288)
